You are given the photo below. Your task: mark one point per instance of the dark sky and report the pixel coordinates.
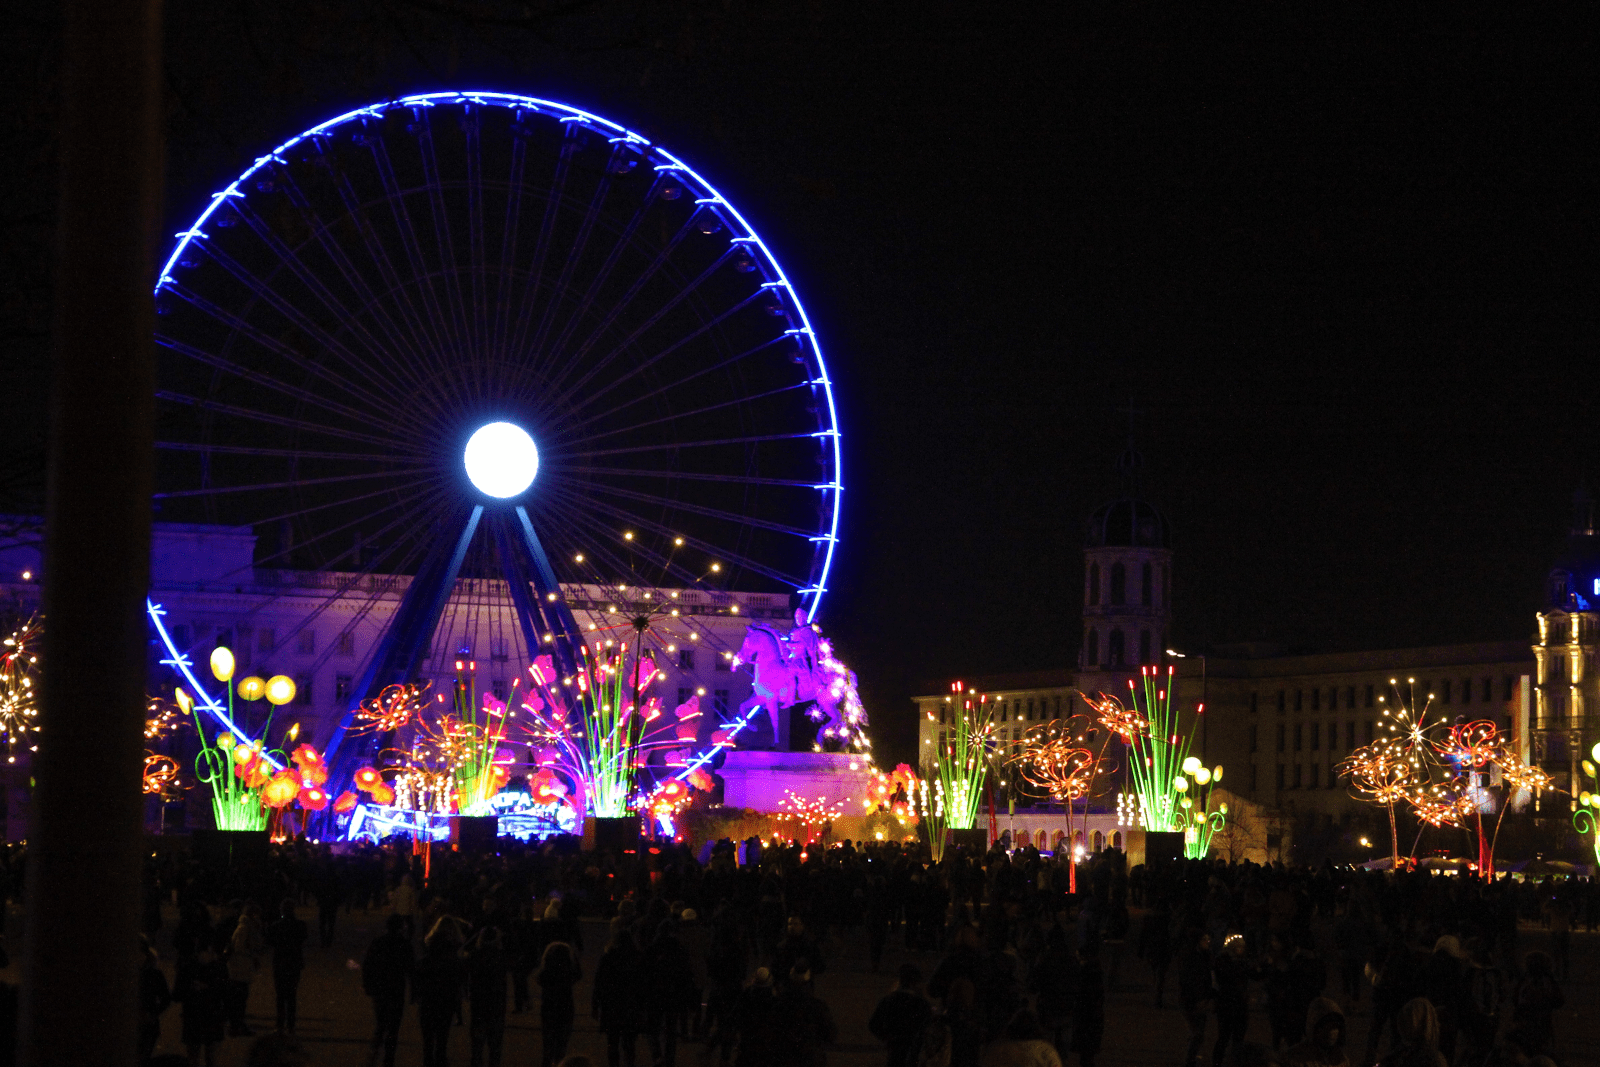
(1345, 269)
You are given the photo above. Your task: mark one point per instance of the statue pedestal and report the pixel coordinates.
(760, 780)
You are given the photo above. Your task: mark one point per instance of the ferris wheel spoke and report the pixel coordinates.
(421, 275)
(298, 319)
(276, 453)
(732, 479)
(450, 277)
(266, 381)
(700, 509)
(275, 420)
(675, 416)
(477, 256)
(669, 446)
(416, 324)
(714, 551)
(395, 344)
(413, 517)
(603, 274)
(705, 327)
(637, 286)
(577, 515)
(541, 247)
(222, 489)
(508, 240)
(648, 324)
(677, 383)
(575, 251)
(249, 330)
(353, 578)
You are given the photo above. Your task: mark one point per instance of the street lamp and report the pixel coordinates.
(1205, 722)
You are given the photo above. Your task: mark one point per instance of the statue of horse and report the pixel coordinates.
(782, 682)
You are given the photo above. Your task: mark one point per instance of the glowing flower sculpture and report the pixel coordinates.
(19, 694)
(1586, 811)
(1168, 780)
(598, 724)
(960, 764)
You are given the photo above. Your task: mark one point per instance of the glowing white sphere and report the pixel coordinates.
(501, 459)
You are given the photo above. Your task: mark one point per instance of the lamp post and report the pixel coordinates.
(1205, 723)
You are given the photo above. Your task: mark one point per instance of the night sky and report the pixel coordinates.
(1345, 273)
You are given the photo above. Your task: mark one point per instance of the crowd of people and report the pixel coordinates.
(1005, 966)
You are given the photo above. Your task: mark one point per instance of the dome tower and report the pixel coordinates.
(1127, 583)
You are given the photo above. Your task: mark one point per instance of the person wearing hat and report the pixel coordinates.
(753, 1019)
(1324, 1041)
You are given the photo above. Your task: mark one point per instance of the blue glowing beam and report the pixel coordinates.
(203, 700)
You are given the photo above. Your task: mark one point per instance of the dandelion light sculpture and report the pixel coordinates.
(960, 765)
(19, 693)
(1159, 740)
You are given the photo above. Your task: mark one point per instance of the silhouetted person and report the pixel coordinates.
(287, 937)
(154, 998)
(487, 964)
(246, 946)
(559, 971)
(436, 987)
(203, 988)
(618, 998)
(901, 1017)
(384, 972)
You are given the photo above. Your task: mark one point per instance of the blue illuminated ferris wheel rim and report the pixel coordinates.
(707, 197)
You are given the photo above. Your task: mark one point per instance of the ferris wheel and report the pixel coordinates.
(477, 335)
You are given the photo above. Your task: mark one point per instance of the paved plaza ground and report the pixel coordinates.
(335, 1021)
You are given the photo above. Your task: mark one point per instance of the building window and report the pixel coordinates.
(1333, 777)
(341, 688)
(1252, 777)
(347, 644)
(1316, 737)
(723, 663)
(302, 689)
(1297, 776)
(1058, 707)
(1144, 646)
(1511, 684)
(1316, 699)
(685, 692)
(306, 643)
(686, 659)
(1280, 737)
(1280, 777)
(1094, 584)
(1280, 701)
(1367, 702)
(1466, 690)
(1252, 734)
(1444, 690)
(1367, 738)
(1299, 700)
(1255, 703)
(498, 688)
(1030, 710)
(719, 704)
(1119, 584)
(1091, 653)
(1146, 594)
(1114, 649)
(1315, 770)
(1350, 698)
(1299, 735)
(1488, 690)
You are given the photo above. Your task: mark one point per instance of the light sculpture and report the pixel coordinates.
(960, 765)
(501, 460)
